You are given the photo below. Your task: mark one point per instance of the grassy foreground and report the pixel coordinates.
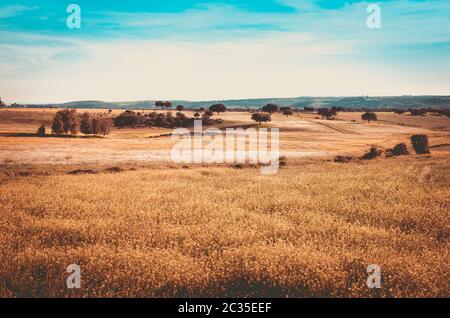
(309, 231)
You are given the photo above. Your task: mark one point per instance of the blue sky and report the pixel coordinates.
(190, 49)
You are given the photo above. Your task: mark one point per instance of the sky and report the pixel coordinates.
(209, 50)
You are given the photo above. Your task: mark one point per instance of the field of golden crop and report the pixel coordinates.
(308, 231)
(158, 229)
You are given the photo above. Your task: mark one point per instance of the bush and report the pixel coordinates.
(114, 170)
(373, 153)
(343, 159)
(400, 150)
(327, 113)
(282, 161)
(41, 131)
(420, 144)
(417, 112)
(82, 171)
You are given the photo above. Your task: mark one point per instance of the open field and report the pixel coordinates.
(302, 135)
(308, 231)
(157, 229)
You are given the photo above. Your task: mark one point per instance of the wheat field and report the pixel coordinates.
(309, 231)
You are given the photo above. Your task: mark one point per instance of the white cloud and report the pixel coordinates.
(14, 10)
(279, 65)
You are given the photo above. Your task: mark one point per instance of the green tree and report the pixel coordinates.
(218, 108)
(369, 116)
(270, 108)
(261, 117)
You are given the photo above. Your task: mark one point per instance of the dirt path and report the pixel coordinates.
(330, 126)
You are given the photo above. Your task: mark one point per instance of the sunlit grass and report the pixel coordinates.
(308, 231)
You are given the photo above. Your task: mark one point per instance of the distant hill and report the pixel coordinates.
(297, 102)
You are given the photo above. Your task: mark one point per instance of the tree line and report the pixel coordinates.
(69, 121)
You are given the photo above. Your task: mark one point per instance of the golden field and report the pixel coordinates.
(158, 229)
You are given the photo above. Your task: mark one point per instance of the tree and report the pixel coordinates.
(69, 120)
(327, 113)
(86, 124)
(167, 105)
(103, 125)
(2, 104)
(420, 144)
(41, 131)
(287, 111)
(218, 108)
(57, 125)
(180, 108)
(261, 117)
(159, 104)
(337, 109)
(369, 116)
(128, 119)
(270, 108)
(399, 111)
(208, 113)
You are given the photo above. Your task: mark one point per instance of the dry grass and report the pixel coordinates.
(301, 135)
(308, 231)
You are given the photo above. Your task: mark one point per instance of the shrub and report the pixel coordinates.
(41, 131)
(282, 161)
(417, 112)
(180, 107)
(327, 113)
(373, 153)
(114, 170)
(400, 150)
(420, 144)
(344, 159)
(82, 171)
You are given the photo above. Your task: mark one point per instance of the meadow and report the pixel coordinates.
(157, 229)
